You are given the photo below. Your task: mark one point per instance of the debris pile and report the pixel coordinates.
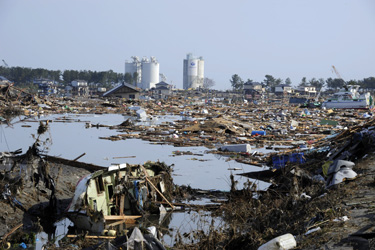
(121, 193)
(311, 158)
(297, 202)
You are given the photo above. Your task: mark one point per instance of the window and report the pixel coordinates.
(99, 184)
(110, 191)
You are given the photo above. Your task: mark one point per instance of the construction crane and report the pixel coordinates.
(163, 78)
(336, 72)
(318, 95)
(6, 65)
(339, 76)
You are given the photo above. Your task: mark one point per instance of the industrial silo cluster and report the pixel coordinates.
(193, 72)
(147, 71)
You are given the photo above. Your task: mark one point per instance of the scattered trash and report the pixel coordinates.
(23, 245)
(137, 241)
(340, 219)
(281, 160)
(331, 141)
(283, 242)
(243, 148)
(141, 115)
(313, 230)
(305, 196)
(340, 171)
(235, 169)
(258, 132)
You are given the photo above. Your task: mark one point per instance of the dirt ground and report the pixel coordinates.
(34, 199)
(359, 207)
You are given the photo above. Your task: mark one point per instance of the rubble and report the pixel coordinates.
(307, 156)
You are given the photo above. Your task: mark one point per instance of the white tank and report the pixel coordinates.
(193, 67)
(193, 74)
(130, 68)
(134, 66)
(201, 68)
(150, 73)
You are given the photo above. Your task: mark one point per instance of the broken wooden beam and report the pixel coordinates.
(92, 236)
(121, 217)
(79, 157)
(73, 163)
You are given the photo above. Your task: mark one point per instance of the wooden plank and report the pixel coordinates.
(122, 204)
(127, 221)
(121, 217)
(79, 157)
(92, 236)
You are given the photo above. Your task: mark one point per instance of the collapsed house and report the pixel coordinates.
(120, 193)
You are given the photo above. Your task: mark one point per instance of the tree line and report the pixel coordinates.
(25, 76)
(271, 82)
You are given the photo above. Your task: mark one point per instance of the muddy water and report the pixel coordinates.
(70, 138)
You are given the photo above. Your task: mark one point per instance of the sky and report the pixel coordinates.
(251, 38)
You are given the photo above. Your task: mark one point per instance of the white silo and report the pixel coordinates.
(200, 72)
(134, 66)
(193, 72)
(201, 68)
(150, 73)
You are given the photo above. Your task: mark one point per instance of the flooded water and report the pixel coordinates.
(68, 138)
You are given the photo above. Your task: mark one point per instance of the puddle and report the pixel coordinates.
(61, 230)
(184, 223)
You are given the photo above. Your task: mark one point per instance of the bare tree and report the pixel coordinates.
(208, 83)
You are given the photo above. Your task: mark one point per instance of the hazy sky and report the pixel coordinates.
(283, 38)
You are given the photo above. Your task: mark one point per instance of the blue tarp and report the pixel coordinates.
(279, 161)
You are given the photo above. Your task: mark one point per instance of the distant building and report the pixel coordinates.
(306, 90)
(79, 83)
(193, 72)
(253, 90)
(79, 88)
(46, 86)
(124, 90)
(162, 90)
(253, 85)
(283, 89)
(96, 89)
(252, 94)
